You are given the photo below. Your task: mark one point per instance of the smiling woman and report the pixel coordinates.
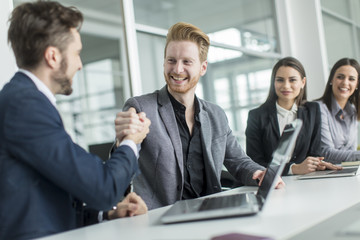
(340, 112)
(285, 103)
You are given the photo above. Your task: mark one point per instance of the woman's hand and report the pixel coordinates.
(310, 164)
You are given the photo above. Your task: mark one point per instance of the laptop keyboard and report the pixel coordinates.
(227, 201)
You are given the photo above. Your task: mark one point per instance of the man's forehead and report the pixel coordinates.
(185, 48)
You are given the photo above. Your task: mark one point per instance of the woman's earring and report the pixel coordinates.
(330, 84)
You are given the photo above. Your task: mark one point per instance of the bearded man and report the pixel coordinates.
(189, 139)
(44, 176)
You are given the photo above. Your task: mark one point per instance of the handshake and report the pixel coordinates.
(131, 125)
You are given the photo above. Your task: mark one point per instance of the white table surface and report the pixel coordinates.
(289, 211)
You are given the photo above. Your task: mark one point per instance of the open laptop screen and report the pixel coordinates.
(282, 153)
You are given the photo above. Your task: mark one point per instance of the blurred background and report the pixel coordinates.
(123, 51)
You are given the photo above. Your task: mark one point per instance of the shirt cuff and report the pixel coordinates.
(132, 145)
(290, 170)
(100, 216)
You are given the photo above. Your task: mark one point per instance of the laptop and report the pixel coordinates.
(345, 172)
(239, 204)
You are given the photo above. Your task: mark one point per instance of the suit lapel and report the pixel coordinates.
(212, 183)
(274, 121)
(300, 114)
(206, 139)
(166, 112)
(206, 136)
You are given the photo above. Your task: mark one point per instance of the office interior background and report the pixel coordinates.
(123, 51)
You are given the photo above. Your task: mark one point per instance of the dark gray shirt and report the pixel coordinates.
(339, 135)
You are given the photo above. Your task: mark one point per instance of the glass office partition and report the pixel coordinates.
(238, 85)
(339, 39)
(342, 7)
(341, 26)
(254, 21)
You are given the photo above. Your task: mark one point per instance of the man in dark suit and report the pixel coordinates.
(44, 175)
(190, 139)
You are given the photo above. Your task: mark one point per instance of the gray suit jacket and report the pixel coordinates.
(161, 159)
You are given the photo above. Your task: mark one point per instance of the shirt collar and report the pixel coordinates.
(40, 86)
(180, 107)
(283, 112)
(336, 110)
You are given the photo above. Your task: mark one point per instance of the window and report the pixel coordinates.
(341, 26)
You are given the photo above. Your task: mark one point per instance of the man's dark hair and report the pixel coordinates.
(35, 26)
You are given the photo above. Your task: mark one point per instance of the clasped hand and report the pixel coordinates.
(131, 205)
(131, 125)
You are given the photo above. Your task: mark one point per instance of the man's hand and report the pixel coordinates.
(130, 125)
(259, 175)
(132, 205)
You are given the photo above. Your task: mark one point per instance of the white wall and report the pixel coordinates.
(302, 36)
(7, 60)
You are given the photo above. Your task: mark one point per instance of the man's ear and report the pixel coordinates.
(203, 68)
(52, 57)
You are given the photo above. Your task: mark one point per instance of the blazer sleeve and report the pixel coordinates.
(36, 136)
(254, 144)
(236, 160)
(132, 102)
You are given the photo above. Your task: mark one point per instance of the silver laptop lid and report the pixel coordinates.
(281, 156)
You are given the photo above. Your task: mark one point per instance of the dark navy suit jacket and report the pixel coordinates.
(42, 170)
(262, 134)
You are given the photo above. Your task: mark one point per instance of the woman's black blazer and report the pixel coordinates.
(262, 134)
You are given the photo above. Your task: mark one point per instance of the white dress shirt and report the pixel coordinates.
(285, 117)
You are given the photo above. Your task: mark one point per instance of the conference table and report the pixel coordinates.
(288, 212)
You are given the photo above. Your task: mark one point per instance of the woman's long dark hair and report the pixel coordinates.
(295, 64)
(355, 97)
